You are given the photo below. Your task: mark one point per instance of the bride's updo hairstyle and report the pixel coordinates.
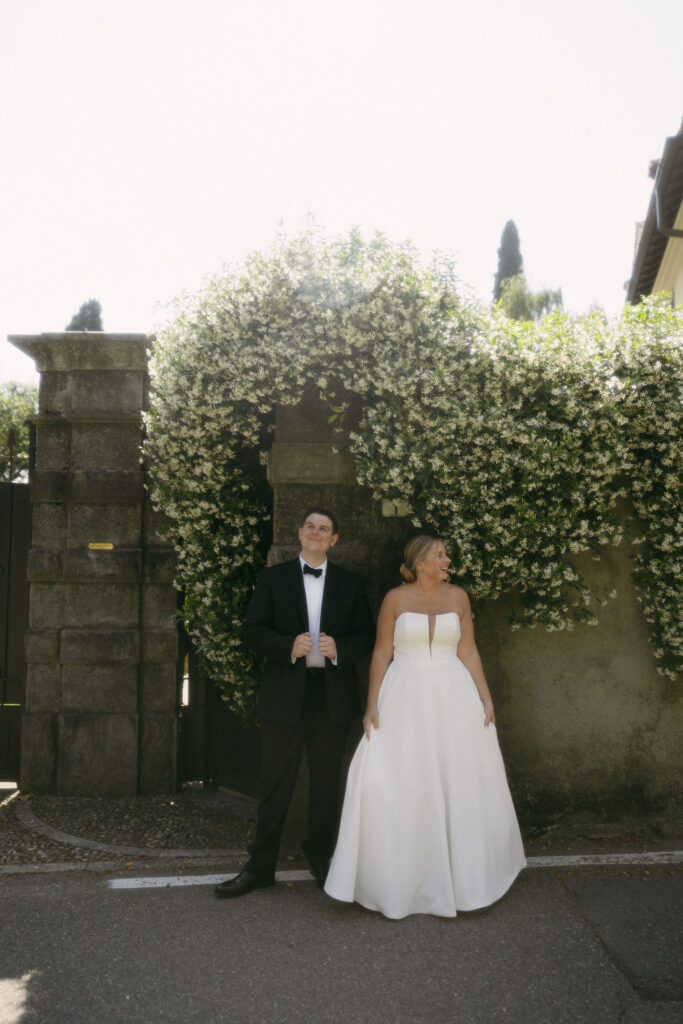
(416, 550)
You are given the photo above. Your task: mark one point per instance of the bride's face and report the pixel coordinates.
(435, 565)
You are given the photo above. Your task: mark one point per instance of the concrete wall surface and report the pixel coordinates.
(585, 722)
(584, 719)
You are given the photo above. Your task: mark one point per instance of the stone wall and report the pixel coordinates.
(586, 723)
(101, 704)
(584, 720)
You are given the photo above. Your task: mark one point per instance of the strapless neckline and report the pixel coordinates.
(410, 636)
(427, 615)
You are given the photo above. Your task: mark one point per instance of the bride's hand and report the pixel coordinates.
(489, 716)
(370, 719)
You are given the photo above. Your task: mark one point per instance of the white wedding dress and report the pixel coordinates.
(428, 825)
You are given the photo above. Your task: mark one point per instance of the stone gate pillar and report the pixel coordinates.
(102, 651)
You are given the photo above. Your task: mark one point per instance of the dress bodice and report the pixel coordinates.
(411, 635)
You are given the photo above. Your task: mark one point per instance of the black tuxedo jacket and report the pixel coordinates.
(278, 613)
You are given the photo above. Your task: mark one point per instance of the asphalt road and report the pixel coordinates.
(584, 946)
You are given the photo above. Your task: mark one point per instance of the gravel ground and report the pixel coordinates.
(210, 823)
(197, 821)
(19, 845)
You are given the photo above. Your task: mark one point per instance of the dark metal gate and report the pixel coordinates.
(236, 751)
(214, 747)
(15, 528)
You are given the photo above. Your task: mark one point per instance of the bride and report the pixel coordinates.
(428, 825)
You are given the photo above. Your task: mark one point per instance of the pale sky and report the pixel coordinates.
(145, 143)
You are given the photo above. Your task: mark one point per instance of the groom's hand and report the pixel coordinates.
(328, 647)
(302, 645)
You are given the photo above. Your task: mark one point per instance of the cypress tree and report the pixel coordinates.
(88, 318)
(510, 262)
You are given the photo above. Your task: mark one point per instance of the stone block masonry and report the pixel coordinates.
(101, 710)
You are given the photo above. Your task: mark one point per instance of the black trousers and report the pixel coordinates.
(282, 748)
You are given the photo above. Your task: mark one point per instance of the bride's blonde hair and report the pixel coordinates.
(416, 550)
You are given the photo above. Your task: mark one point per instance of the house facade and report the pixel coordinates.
(658, 263)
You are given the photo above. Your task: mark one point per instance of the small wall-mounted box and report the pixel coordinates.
(395, 508)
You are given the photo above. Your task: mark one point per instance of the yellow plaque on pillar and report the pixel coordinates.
(398, 508)
(101, 547)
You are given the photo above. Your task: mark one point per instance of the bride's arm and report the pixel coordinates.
(469, 656)
(381, 658)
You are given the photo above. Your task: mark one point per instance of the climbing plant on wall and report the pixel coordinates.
(513, 441)
(648, 384)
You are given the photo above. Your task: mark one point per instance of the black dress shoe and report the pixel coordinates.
(243, 883)
(319, 867)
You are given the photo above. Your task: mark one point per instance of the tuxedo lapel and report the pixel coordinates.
(328, 590)
(296, 583)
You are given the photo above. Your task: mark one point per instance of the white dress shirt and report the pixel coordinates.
(314, 587)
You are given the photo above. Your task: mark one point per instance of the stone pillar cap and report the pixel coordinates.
(84, 350)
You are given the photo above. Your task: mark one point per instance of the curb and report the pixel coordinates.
(48, 869)
(93, 867)
(633, 860)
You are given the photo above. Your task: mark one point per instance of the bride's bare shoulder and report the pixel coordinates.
(390, 610)
(461, 602)
(395, 598)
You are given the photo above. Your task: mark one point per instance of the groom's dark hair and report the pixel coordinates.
(321, 512)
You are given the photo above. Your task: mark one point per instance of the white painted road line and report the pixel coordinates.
(173, 880)
(606, 859)
(572, 861)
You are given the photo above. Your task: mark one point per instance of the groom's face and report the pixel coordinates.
(316, 537)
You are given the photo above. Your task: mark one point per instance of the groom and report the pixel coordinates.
(312, 622)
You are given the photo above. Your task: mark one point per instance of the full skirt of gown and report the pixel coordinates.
(428, 825)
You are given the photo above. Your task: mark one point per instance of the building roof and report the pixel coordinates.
(667, 196)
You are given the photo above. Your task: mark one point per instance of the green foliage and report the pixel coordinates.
(509, 258)
(507, 449)
(518, 302)
(17, 401)
(88, 318)
(512, 440)
(649, 376)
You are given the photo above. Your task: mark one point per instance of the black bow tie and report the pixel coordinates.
(313, 572)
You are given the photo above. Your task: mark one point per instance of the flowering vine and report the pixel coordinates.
(514, 441)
